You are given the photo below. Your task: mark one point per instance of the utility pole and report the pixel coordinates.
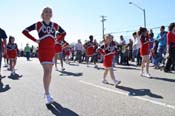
(103, 26)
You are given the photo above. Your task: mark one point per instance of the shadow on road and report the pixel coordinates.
(58, 110)
(66, 73)
(72, 64)
(15, 77)
(4, 88)
(100, 68)
(163, 79)
(139, 92)
(130, 68)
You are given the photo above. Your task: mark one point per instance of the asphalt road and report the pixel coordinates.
(79, 92)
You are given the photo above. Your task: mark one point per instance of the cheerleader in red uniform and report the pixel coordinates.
(66, 49)
(59, 51)
(109, 50)
(12, 51)
(144, 51)
(89, 48)
(46, 50)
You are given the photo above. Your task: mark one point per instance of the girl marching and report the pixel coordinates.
(59, 51)
(46, 51)
(144, 51)
(66, 49)
(12, 52)
(109, 50)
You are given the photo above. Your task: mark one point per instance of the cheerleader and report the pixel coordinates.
(109, 50)
(66, 49)
(89, 48)
(59, 51)
(12, 51)
(144, 51)
(46, 50)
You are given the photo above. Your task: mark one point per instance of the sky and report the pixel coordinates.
(81, 18)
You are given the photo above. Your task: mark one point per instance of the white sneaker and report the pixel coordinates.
(62, 68)
(48, 99)
(142, 74)
(104, 81)
(148, 75)
(117, 82)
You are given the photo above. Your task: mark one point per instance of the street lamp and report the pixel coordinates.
(142, 9)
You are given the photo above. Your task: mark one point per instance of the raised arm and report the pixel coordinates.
(28, 29)
(62, 33)
(101, 50)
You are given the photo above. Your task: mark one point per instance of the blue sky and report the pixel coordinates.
(80, 18)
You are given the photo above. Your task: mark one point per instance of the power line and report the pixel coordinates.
(128, 31)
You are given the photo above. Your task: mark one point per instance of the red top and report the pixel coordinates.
(46, 33)
(89, 46)
(144, 50)
(171, 39)
(59, 44)
(108, 49)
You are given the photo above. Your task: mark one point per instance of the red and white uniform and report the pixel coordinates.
(59, 45)
(12, 50)
(66, 49)
(171, 40)
(89, 47)
(46, 33)
(108, 50)
(144, 50)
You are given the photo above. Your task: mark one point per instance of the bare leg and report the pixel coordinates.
(13, 64)
(105, 74)
(47, 68)
(112, 74)
(61, 60)
(147, 66)
(87, 60)
(143, 64)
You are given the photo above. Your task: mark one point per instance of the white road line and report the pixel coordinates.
(126, 94)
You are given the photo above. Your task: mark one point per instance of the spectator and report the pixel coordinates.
(78, 51)
(151, 44)
(151, 33)
(162, 44)
(122, 44)
(170, 47)
(27, 51)
(32, 51)
(130, 45)
(136, 49)
(154, 54)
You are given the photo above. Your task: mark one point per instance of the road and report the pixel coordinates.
(79, 92)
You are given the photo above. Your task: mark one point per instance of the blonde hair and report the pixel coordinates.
(109, 36)
(44, 10)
